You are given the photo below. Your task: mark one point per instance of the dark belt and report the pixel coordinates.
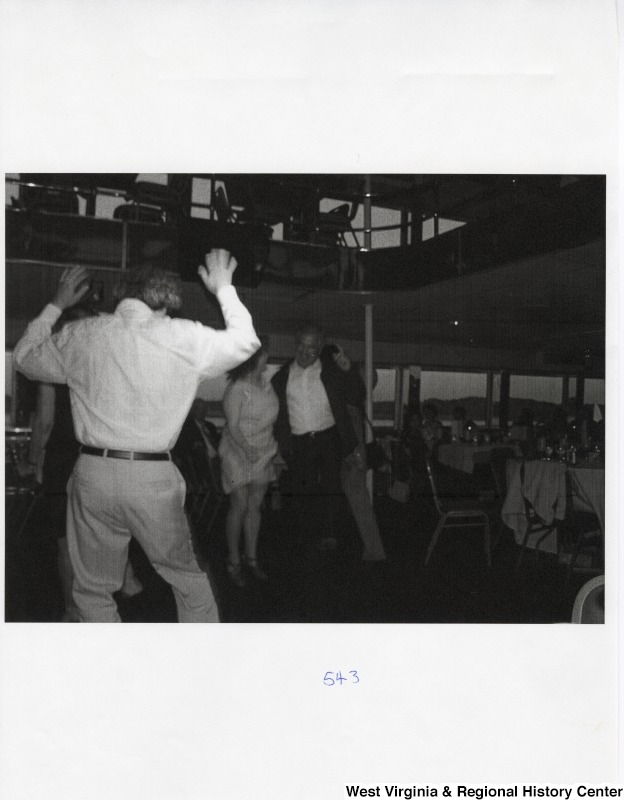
(315, 434)
(129, 455)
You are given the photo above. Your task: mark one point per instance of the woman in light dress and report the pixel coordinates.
(247, 449)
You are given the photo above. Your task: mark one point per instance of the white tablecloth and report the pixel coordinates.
(544, 486)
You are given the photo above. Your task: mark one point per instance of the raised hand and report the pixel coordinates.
(220, 266)
(73, 286)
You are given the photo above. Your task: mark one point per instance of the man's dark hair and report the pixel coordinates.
(154, 287)
(431, 407)
(310, 328)
(459, 413)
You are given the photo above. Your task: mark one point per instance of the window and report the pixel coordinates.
(105, 205)
(11, 190)
(383, 398)
(200, 198)
(380, 218)
(594, 391)
(537, 394)
(446, 390)
(444, 226)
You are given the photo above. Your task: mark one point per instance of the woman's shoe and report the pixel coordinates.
(256, 571)
(235, 572)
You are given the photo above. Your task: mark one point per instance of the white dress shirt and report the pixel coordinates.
(133, 374)
(306, 398)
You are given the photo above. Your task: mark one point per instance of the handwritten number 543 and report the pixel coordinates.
(333, 678)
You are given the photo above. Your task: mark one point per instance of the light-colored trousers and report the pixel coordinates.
(109, 501)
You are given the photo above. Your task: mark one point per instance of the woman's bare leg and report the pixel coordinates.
(253, 517)
(234, 523)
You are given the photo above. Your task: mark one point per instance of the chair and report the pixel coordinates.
(201, 470)
(332, 225)
(20, 502)
(21, 493)
(457, 513)
(194, 470)
(581, 531)
(148, 201)
(52, 193)
(217, 495)
(498, 464)
(535, 526)
(589, 604)
(222, 207)
(259, 203)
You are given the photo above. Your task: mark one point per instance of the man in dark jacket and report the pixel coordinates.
(314, 431)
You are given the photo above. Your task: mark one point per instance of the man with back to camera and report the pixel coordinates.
(132, 377)
(314, 431)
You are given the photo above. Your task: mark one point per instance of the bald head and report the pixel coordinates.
(309, 345)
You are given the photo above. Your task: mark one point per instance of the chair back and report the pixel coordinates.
(432, 482)
(532, 518)
(222, 207)
(578, 513)
(193, 471)
(498, 464)
(200, 467)
(214, 475)
(150, 201)
(589, 603)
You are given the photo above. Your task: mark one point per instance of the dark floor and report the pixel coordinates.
(310, 586)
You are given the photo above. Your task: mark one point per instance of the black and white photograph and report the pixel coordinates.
(311, 319)
(411, 429)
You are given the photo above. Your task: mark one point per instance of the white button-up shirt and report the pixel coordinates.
(308, 406)
(134, 374)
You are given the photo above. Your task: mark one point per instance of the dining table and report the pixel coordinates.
(464, 456)
(16, 449)
(548, 485)
(587, 485)
(543, 484)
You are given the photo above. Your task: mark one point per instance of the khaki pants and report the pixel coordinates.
(110, 500)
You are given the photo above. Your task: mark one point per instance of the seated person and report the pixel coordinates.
(431, 427)
(415, 450)
(557, 427)
(525, 419)
(462, 426)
